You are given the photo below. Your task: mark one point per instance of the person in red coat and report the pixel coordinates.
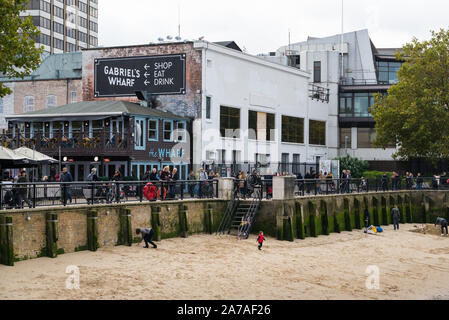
(260, 240)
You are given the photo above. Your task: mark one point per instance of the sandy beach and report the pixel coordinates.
(412, 265)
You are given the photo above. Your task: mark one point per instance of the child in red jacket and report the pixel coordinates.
(260, 240)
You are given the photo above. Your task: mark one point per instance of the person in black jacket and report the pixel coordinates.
(384, 182)
(366, 218)
(308, 183)
(66, 177)
(147, 235)
(419, 181)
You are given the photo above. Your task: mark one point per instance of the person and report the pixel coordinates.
(408, 180)
(419, 181)
(348, 181)
(66, 177)
(22, 193)
(366, 218)
(92, 176)
(147, 234)
(9, 198)
(117, 177)
(242, 184)
(147, 175)
(443, 223)
(191, 184)
(174, 178)
(435, 182)
(203, 177)
(384, 182)
(363, 184)
(260, 240)
(307, 177)
(154, 176)
(165, 178)
(396, 216)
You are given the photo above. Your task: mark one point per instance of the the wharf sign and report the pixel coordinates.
(162, 74)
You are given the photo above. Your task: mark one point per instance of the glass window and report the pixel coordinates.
(361, 104)
(387, 71)
(181, 128)
(57, 128)
(167, 130)
(77, 127)
(152, 129)
(28, 104)
(229, 122)
(252, 125)
(345, 138)
(51, 101)
(208, 107)
(365, 137)
(38, 128)
(292, 129)
(139, 133)
(317, 132)
(346, 109)
(270, 127)
(317, 71)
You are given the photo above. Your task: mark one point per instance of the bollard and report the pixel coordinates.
(92, 230)
(299, 222)
(156, 222)
(183, 221)
(6, 241)
(287, 229)
(125, 237)
(208, 216)
(52, 235)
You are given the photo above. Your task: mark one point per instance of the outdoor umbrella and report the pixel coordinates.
(11, 159)
(35, 155)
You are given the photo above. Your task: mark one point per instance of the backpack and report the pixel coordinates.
(379, 229)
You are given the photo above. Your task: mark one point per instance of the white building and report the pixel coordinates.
(243, 92)
(366, 70)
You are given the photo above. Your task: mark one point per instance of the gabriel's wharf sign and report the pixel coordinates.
(162, 74)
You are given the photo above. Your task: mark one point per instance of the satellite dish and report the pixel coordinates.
(169, 37)
(160, 39)
(201, 38)
(178, 38)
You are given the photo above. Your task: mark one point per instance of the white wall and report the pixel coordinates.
(246, 82)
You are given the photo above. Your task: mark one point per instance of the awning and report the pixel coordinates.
(35, 155)
(58, 117)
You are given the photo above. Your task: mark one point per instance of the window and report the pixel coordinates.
(82, 36)
(58, 43)
(51, 101)
(73, 97)
(1, 106)
(361, 104)
(365, 137)
(252, 125)
(296, 163)
(221, 156)
(71, 33)
(82, 22)
(284, 161)
(345, 138)
(93, 26)
(44, 23)
(257, 129)
(346, 105)
(93, 42)
(317, 132)
(58, 12)
(317, 71)
(181, 131)
(168, 128)
(45, 6)
(139, 134)
(292, 129)
(152, 129)
(70, 48)
(83, 7)
(387, 71)
(57, 27)
(230, 122)
(28, 104)
(93, 12)
(208, 107)
(45, 39)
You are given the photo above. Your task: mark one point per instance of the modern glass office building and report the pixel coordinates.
(65, 25)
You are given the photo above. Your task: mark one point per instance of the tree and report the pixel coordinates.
(19, 55)
(415, 113)
(357, 166)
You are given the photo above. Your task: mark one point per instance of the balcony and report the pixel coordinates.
(77, 144)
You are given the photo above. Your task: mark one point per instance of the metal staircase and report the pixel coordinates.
(240, 216)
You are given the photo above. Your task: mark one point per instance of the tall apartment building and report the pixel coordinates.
(65, 25)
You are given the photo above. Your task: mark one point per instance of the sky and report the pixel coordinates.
(262, 26)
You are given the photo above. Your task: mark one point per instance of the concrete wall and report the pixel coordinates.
(29, 236)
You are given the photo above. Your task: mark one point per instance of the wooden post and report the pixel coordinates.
(52, 234)
(156, 222)
(299, 221)
(6, 241)
(183, 221)
(288, 229)
(92, 230)
(125, 228)
(208, 216)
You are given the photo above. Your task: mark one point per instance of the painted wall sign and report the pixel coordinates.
(162, 74)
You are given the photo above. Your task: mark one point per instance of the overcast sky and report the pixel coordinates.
(262, 26)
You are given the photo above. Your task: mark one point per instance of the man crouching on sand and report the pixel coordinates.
(147, 235)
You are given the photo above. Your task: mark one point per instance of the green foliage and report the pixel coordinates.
(18, 54)
(415, 113)
(357, 166)
(375, 174)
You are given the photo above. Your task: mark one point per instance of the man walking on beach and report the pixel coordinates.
(147, 235)
(443, 223)
(396, 215)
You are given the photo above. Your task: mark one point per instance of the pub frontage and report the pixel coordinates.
(107, 135)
